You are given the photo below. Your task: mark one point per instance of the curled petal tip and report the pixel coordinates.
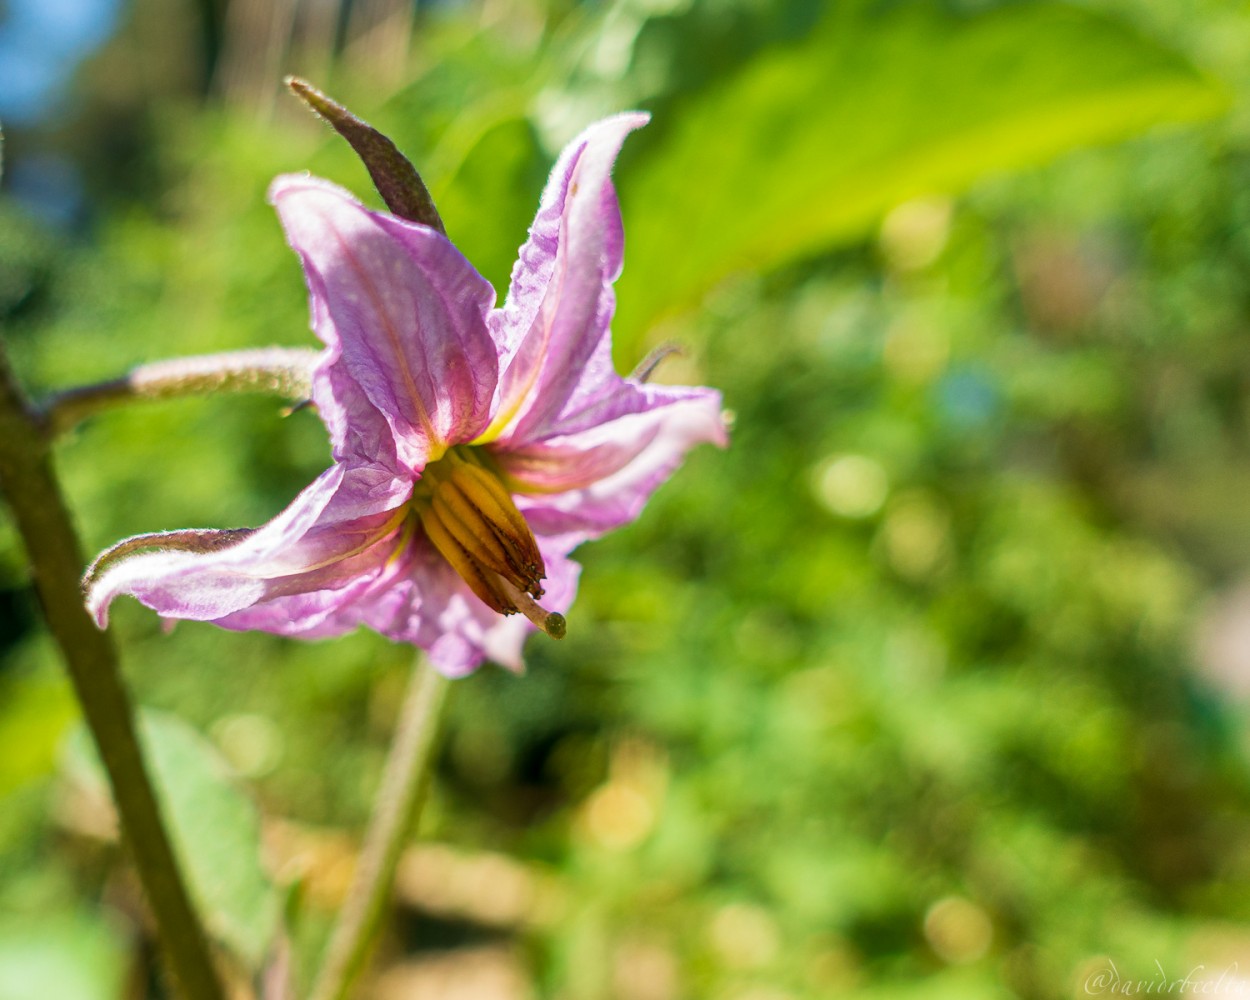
(284, 184)
(635, 119)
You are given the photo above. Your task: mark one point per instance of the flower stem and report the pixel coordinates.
(395, 813)
(29, 484)
(284, 371)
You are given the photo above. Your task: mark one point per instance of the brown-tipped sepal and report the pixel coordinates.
(393, 174)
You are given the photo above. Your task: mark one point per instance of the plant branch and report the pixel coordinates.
(395, 813)
(283, 371)
(29, 483)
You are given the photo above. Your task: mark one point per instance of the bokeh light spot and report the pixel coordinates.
(852, 486)
(958, 930)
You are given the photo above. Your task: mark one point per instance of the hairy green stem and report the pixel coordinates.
(396, 810)
(283, 371)
(29, 484)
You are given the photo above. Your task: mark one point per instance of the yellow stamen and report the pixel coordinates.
(481, 581)
(470, 518)
(453, 509)
(483, 489)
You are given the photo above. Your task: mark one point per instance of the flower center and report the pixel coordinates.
(470, 518)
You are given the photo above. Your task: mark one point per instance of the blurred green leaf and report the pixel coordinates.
(63, 957)
(809, 144)
(37, 711)
(215, 829)
(490, 222)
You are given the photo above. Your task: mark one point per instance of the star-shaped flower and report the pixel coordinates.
(473, 448)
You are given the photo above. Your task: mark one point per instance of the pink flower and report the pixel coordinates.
(473, 448)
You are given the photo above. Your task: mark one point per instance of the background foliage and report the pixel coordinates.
(932, 685)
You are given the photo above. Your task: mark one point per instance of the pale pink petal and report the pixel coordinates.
(583, 484)
(332, 533)
(402, 314)
(553, 329)
(319, 607)
(358, 432)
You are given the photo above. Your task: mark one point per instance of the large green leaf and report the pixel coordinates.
(215, 829)
(809, 144)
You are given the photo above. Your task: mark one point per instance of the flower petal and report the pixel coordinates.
(553, 329)
(585, 483)
(430, 606)
(334, 532)
(324, 613)
(402, 314)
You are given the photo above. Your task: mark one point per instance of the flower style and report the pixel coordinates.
(473, 448)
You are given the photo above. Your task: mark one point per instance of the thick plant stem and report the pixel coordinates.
(395, 813)
(283, 371)
(30, 486)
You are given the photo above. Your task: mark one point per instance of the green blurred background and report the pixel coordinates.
(933, 685)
